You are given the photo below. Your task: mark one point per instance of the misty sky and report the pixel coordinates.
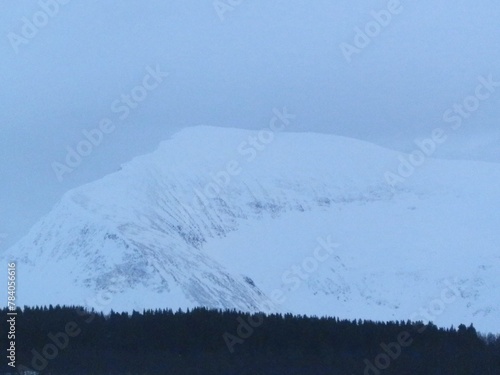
(231, 72)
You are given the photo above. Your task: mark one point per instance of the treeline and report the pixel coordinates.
(69, 340)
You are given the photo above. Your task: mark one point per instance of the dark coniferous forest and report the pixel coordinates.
(68, 340)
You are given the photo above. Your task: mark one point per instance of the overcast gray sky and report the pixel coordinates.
(230, 69)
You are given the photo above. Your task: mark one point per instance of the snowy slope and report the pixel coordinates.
(304, 223)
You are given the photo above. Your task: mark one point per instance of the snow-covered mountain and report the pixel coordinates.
(272, 221)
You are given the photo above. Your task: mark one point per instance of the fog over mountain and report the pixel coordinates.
(230, 66)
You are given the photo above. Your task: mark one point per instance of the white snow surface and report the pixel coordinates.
(424, 249)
